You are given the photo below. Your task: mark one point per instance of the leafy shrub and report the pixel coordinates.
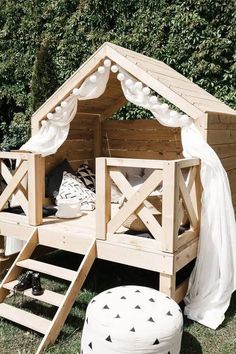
(42, 42)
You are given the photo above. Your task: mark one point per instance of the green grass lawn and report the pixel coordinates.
(196, 339)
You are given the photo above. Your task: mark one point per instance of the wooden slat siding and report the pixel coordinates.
(79, 146)
(140, 139)
(225, 150)
(221, 136)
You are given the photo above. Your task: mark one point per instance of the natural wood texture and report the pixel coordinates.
(35, 188)
(169, 206)
(181, 291)
(103, 198)
(24, 318)
(55, 271)
(134, 202)
(13, 183)
(14, 271)
(167, 284)
(50, 297)
(20, 194)
(72, 292)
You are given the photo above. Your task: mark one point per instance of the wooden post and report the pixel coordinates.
(103, 198)
(169, 206)
(168, 284)
(97, 137)
(35, 188)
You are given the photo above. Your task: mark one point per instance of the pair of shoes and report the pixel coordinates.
(28, 280)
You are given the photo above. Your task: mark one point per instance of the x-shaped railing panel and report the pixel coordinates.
(136, 201)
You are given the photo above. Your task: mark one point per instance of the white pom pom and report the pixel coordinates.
(107, 63)
(58, 109)
(120, 77)
(153, 100)
(138, 85)
(101, 69)
(173, 114)
(65, 113)
(184, 120)
(128, 83)
(76, 91)
(44, 122)
(156, 107)
(49, 115)
(93, 78)
(64, 104)
(114, 68)
(146, 90)
(164, 107)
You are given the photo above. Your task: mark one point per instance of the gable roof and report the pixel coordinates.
(167, 82)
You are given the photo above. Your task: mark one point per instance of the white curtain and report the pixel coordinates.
(55, 129)
(213, 278)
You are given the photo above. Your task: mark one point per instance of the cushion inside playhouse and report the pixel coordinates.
(54, 178)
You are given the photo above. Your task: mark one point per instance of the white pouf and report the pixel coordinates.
(132, 319)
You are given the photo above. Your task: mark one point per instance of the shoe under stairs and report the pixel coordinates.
(49, 328)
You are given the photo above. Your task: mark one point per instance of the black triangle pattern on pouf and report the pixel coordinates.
(156, 342)
(146, 306)
(108, 339)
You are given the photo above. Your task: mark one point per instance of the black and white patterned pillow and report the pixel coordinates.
(72, 187)
(86, 175)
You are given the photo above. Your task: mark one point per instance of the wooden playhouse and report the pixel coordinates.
(112, 145)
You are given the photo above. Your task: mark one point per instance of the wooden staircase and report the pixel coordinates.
(49, 328)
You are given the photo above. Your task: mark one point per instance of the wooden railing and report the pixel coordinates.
(25, 184)
(179, 201)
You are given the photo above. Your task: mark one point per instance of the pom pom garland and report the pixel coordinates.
(129, 83)
(58, 109)
(64, 104)
(107, 63)
(146, 90)
(44, 122)
(76, 91)
(101, 69)
(173, 114)
(138, 85)
(164, 107)
(50, 115)
(93, 78)
(153, 100)
(120, 77)
(114, 68)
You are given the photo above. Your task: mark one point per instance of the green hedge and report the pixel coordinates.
(43, 42)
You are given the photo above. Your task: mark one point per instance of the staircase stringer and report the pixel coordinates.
(15, 271)
(69, 299)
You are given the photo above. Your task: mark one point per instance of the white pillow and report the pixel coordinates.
(72, 187)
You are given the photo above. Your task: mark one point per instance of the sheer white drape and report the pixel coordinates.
(213, 278)
(55, 129)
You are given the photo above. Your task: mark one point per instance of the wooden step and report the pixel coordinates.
(24, 318)
(50, 297)
(49, 269)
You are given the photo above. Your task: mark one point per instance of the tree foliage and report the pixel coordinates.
(43, 42)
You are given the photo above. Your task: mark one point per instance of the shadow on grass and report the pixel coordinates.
(190, 344)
